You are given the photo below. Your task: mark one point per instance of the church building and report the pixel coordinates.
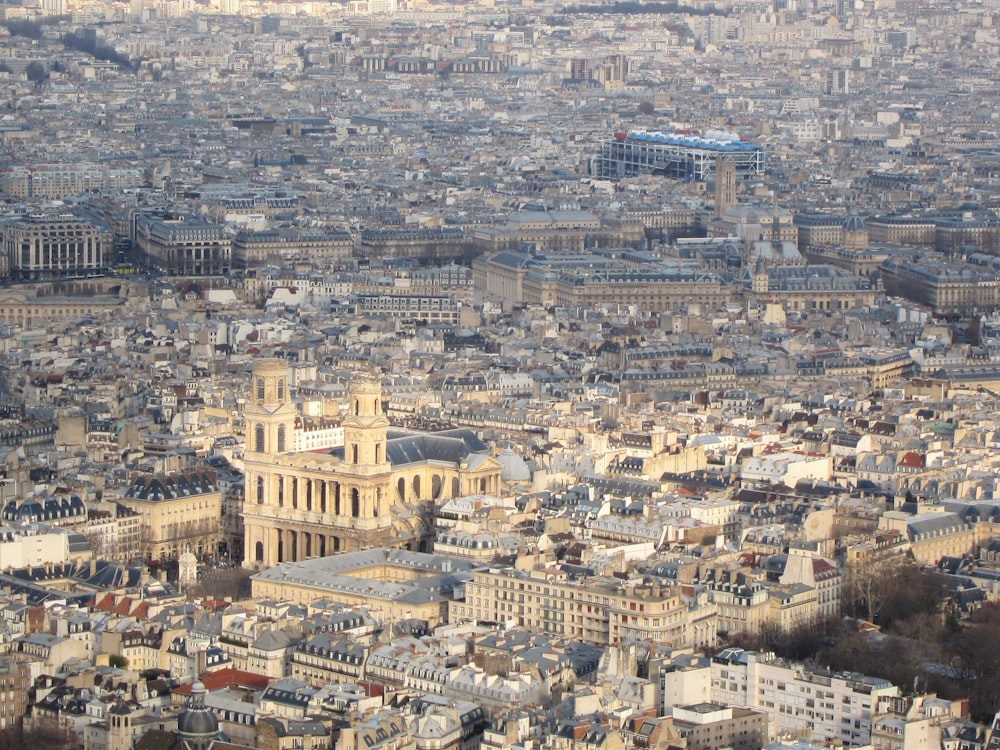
(379, 490)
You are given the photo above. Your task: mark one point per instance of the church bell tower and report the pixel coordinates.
(269, 418)
(365, 428)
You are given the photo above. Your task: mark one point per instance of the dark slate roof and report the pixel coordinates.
(52, 508)
(157, 739)
(450, 446)
(159, 487)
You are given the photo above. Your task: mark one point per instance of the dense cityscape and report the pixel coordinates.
(510, 375)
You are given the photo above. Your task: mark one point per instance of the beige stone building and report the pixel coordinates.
(596, 610)
(378, 490)
(49, 247)
(391, 584)
(23, 309)
(254, 249)
(901, 230)
(177, 512)
(933, 533)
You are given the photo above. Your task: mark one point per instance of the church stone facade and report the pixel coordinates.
(379, 490)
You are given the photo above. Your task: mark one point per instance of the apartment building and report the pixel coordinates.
(431, 245)
(423, 308)
(15, 683)
(61, 180)
(707, 726)
(742, 607)
(902, 230)
(178, 511)
(800, 700)
(913, 722)
(596, 610)
(254, 249)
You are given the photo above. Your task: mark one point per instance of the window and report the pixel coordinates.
(281, 438)
(260, 490)
(281, 389)
(260, 389)
(258, 438)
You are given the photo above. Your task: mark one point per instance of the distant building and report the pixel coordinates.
(19, 308)
(53, 247)
(430, 245)
(946, 288)
(254, 249)
(410, 307)
(811, 287)
(901, 230)
(183, 245)
(680, 156)
(590, 279)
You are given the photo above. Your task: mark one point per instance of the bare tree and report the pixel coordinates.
(45, 733)
(144, 543)
(868, 584)
(224, 582)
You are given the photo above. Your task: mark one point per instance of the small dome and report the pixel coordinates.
(514, 468)
(197, 722)
(854, 223)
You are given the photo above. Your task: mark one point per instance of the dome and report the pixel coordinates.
(198, 724)
(854, 223)
(514, 468)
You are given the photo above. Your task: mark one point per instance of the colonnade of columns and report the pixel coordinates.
(272, 545)
(314, 495)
